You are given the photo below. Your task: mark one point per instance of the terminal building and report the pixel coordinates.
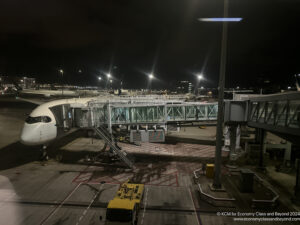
(184, 87)
(21, 82)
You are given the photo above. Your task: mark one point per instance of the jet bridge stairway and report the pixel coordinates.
(109, 139)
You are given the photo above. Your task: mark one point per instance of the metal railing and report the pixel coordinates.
(154, 113)
(279, 113)
(109, 139)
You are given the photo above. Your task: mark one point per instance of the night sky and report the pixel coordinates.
(133, 37)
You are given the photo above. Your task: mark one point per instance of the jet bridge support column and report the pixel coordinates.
(232, 130)
(287, 153)
(296, 198)
(260, 138)
(109, 117)
(232, 141)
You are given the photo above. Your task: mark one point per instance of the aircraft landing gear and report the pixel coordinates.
(44, 156)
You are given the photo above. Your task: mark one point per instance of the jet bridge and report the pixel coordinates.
(102, 116)
(146, 113)
(278, 113)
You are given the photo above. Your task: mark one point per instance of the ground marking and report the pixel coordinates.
(85, 211)
(146, 198)
(60, 205)
(194, 206)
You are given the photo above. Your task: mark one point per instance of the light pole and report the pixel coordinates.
(111, 81)
(199, 78)
(99, 79)
(150, 76)
(62, 86)
(218, 153)
(108, 76)
(219, 135)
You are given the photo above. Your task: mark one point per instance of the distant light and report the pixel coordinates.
(99, 78)
(237, 87)
(200, 77)
(61, 71)
(79, 71)
(151, 76)
(221, 19)
(108, 75)
(110, 81)
(289, 87)
(202, 87)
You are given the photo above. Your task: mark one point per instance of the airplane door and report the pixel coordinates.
(63, 116)
(67, 116)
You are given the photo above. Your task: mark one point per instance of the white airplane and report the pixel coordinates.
(50, 120)
(54, 119)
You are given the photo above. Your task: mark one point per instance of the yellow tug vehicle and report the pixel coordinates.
(124, 207)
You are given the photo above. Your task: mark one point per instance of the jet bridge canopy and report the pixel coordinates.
(137, 113)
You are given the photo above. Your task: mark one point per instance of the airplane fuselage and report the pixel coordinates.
(49, 121)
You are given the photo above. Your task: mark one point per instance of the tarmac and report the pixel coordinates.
(69, 189)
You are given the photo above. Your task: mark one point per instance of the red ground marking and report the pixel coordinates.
(163, 179)
(82, 177)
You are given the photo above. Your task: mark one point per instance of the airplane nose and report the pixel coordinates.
(27, 135)
(24, 137)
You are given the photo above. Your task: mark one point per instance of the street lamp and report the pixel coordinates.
(150, 76)
(200, 77)
(218, 153)
(108, 76)
(61, 71)
(99, 79)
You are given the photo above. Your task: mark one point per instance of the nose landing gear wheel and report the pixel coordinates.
(44, 155)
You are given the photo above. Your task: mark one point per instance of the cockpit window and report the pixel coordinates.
(38, 119)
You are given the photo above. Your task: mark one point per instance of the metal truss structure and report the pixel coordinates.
(278, 113)
(152, 113)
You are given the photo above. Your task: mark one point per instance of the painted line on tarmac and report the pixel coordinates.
(196, 214)
(60, 205)
(146, 199)
(89, 206)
